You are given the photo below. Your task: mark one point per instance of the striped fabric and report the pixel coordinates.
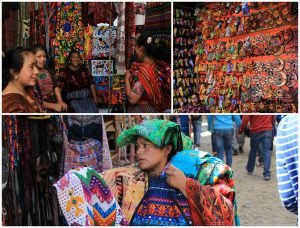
(287, 162)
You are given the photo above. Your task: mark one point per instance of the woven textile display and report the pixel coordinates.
(246, 57)
(86, 200)
(104, 41)
(86, 153)
(69, 32)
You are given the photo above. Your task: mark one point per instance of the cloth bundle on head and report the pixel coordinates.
(160, 132)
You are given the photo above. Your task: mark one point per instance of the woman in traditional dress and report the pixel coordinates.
(148, 82)
(46, 83)
(19, 74)
(77, 86)
(153, 193)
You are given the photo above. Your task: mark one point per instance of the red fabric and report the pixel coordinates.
(258, 123)
(208, 206)
(156, 80)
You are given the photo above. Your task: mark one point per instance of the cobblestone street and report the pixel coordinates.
(258, 200)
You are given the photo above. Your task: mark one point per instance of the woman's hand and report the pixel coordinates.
(57, 107)
(127, 75)
(176, 179)
(63, 105)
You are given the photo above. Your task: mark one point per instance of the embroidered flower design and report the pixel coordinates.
(76, 202)
(149, 40)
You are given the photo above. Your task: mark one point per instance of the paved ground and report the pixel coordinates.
(258, 200)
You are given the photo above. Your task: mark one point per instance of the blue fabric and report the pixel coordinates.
(223, 142)
(223, 121)
(162, 197)
(287, 153)
(189, 161)
(184, 124)
(265, 138)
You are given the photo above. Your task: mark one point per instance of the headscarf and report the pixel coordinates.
(159, 132)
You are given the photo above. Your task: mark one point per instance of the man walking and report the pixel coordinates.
(260, 132)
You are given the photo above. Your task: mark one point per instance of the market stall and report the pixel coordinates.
(102, 32)
(237, 57)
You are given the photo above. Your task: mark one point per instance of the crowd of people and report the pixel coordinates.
(30, 86)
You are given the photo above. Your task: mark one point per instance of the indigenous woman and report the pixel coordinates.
(46, 84)
(19, 73)
(77, 86)
(129, 195)
(148, 82)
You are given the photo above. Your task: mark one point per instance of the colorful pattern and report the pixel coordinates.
(162, 206)
(208, 170)
(104, 41)
(128, 184)
(46, 86)
(86, 200)
(159, 132)
(87, 153)
(156, 81)
(88, 42)
(69, 32)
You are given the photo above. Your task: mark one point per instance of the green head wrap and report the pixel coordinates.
(160, 132)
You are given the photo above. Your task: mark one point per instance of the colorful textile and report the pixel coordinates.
(88, 42)
(162, 206)
(205, 168)
(209, 171)
(70, 80)
(69, 34)
(86, 200)
(128, 184)
(187, 142)
(46, 85)
(208, 206)
(156, 81)
(287, 152)
(160, 132)
(86, 153)
(104, 41)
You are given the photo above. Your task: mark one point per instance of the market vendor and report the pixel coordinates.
(129, 196)
(77, 86)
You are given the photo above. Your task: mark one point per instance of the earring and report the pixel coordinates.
(16, 77)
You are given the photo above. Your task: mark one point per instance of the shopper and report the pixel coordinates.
(19, 74)
(46, 84)
(221, 127)
(157, 141)
(148, 82)
(196, 123)
(77, 86)
(194, 106)
(260, 132)
(287, 152)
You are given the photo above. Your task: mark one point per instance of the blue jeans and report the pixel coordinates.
(265, 138)
(197, 131)
(222, 138)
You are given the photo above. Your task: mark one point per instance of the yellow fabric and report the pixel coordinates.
(128, 185)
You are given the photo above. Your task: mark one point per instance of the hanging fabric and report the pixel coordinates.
(120, 53)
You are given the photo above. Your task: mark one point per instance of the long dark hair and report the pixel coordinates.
(13, 62)
(154, 47)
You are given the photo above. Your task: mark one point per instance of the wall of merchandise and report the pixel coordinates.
(237, 57)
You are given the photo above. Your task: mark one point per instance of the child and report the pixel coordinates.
(46, 84)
